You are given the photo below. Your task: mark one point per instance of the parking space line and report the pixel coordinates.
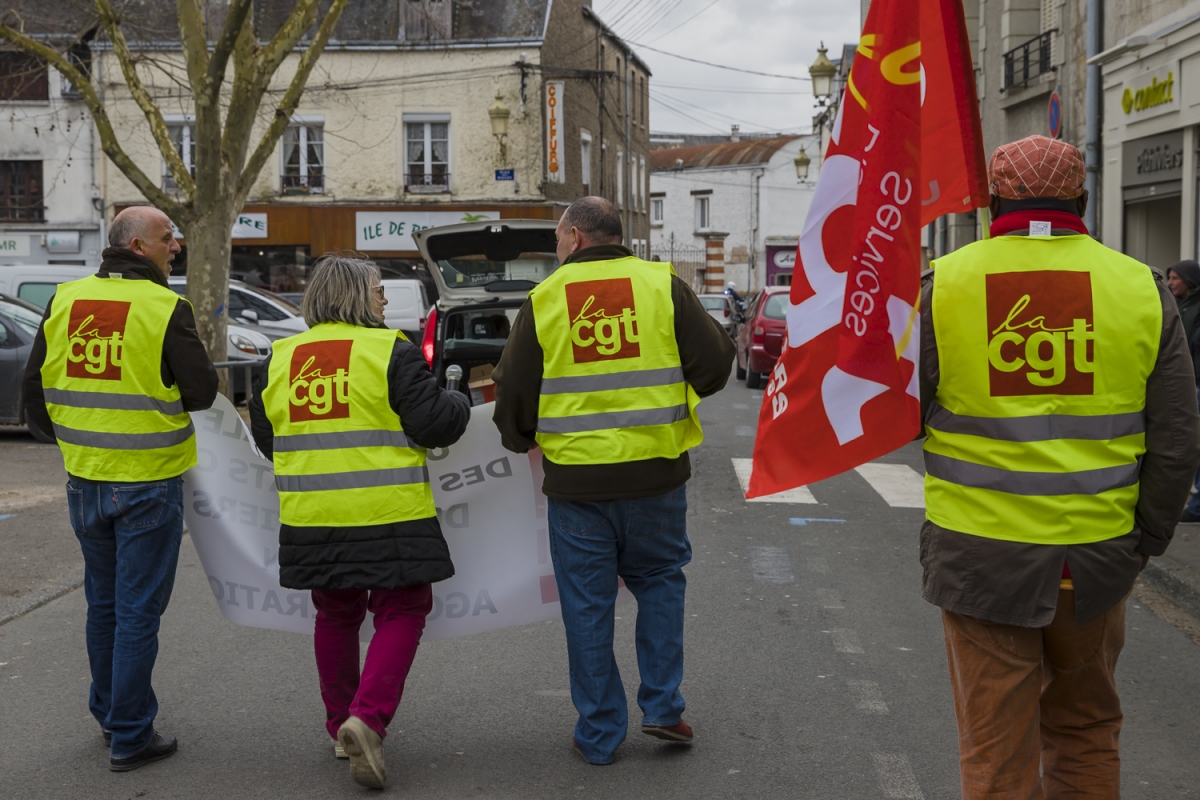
(899, 485)
(896, 776)
(743, 468)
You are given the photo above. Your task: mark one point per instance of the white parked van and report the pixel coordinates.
(37, 283)
(406, 306)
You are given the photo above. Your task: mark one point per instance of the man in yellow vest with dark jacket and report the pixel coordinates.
(1061, 438)
(603, 370)
(115, 368)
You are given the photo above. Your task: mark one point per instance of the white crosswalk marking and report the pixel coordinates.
(845, 641)
(868, 696)
(898, 484)
(771, 565)
(896, 776)
(744, 466)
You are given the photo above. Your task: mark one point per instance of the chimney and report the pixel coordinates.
(735, 133)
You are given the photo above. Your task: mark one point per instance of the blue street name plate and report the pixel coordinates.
(505, 175)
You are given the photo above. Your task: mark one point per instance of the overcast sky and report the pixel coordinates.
(776, 36)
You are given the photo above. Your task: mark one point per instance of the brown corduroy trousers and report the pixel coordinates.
(1037, 697)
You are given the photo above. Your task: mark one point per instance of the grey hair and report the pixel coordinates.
(130, 224)
(595, 218)
(339, 290)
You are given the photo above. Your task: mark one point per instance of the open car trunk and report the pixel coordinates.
(483, 271)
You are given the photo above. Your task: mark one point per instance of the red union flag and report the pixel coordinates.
(906, 149)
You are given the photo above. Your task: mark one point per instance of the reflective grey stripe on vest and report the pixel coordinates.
(123, 402)
(1042, 428)
(612, 419)
(340, 440)
(123, 441)
(1035, 484)
(365, 479)
(614, 380)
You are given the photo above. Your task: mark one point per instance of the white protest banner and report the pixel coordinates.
(489, 501)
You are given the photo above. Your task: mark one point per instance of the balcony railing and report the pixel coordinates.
(312, 183)
(1030, 60)
(426, 183)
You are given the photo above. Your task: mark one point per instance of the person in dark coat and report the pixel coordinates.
(372, 459)
(1183, 279)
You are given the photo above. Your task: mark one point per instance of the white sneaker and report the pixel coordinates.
(338, 750)
(365, 749)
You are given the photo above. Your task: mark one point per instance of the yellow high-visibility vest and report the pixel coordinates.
(1045, 345)
(612, 387)
(341, 455)
(114, 419)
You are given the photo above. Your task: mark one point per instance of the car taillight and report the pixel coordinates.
(727, 311)
(758, 334)
(427, 339)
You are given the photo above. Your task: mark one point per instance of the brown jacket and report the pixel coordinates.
(707, 355)
(1014, 583)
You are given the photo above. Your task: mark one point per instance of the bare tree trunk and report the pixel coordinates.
(208, 276)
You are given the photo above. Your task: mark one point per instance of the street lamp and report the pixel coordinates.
(802, 161)
(499, 115)
(822, 71)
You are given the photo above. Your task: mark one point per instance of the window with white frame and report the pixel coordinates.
(426, 153)
(585, 153)
(702, 218)
(656, 210)
(181, 133)
(620, 177)
(303, 169)
(641, 183)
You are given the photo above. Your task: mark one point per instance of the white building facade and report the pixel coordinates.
(50, 211)
(745, 191)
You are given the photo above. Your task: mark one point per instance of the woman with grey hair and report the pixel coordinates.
(346, 410)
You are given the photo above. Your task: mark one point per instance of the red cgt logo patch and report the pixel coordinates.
(603, 320)
(96, 339)
(319, 381)
(1041, 333)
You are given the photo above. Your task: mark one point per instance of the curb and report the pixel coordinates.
(40, 597)
(1176, 582)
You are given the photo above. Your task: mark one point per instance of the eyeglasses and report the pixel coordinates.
(378, 291)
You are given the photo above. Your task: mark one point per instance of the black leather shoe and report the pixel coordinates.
(107, 736)
(160, 747)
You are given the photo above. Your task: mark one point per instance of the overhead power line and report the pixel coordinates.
(686, 21)
(720, 66)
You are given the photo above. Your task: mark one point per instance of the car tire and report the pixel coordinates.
(36, 432)
(754, 380)
(739, 370)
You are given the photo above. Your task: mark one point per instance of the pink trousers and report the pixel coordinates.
(374, 694)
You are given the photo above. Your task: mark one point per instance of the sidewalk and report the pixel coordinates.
(1176, 575)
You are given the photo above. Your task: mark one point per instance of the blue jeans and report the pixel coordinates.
(1193, 503)
(129, 534)
(644, 541)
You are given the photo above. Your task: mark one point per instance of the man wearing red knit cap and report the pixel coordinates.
(1061, 439)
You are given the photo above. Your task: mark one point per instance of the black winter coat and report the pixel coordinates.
(375, 556)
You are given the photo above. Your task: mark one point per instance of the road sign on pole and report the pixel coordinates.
(1054, 115)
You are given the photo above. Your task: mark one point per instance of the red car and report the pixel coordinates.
(760, 336)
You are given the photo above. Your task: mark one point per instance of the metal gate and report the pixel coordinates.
(688, 262)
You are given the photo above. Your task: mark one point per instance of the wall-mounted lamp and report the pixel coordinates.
(802, 161)
(499, 115)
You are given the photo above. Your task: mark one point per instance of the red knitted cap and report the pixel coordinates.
(1036, 166)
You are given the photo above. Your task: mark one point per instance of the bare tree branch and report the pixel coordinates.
(272, 54)
(291, 99)
(108, 137)
(193, 39)
(158, 127)
(223, 48)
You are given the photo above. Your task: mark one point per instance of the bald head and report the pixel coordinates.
(588, 222)
(147, 232)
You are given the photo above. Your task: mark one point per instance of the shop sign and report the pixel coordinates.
(62, 242)
(13, 245)
(392, 230)
(250, 226)
(556, 169)
(1152, 159)
(785, 259)
(1151, 93)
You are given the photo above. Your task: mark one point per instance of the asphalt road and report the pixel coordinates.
(814, 670)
